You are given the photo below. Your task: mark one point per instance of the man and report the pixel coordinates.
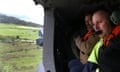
(85, 44)
(109, 52)
(88, 21)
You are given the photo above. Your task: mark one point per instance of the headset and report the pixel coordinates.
(115, 17)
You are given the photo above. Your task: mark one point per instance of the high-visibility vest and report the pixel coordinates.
(94, 55)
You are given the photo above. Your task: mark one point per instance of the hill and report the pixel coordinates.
(13, 20)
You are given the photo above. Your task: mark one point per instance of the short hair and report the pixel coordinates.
(101, 7)
(107, 15)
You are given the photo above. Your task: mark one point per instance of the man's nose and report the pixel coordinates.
(97, 27)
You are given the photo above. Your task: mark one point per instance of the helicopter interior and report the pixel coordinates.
(62, 19)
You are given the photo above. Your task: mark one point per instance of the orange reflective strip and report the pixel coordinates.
(87, 34)
(114, 33)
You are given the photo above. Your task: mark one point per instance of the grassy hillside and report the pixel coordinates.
(17, 30)
(16, 55)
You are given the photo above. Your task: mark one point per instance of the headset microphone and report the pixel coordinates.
(97, 32)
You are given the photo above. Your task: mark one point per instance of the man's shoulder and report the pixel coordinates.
(116, 39)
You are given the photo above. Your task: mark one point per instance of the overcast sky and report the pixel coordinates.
(24, 9)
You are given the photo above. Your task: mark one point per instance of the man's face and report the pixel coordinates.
(101, 23)
(88, 21)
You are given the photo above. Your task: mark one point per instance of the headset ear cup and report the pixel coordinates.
(112, 19)
(115, 17)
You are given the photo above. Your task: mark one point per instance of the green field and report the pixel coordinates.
(17, 30)
(15, 55)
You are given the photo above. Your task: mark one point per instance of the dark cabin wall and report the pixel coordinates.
(67, 21)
